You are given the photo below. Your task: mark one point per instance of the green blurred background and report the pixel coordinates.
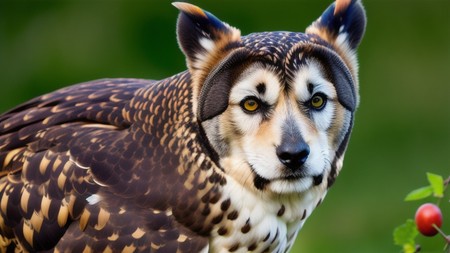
(402, 128)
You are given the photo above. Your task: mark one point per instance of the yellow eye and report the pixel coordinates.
(250, 104)
(318, 101)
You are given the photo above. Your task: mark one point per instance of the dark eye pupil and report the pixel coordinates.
(250, 105)
(317, 102)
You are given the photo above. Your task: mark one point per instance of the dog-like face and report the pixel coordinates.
(276, 107)
(280, 136)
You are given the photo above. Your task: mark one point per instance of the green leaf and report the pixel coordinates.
(420, 193)
(409, 248)
(437, 184)
(406, 234)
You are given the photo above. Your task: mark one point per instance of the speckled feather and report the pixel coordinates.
(100, 138)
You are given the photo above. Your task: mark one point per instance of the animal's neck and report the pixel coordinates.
(257, 222)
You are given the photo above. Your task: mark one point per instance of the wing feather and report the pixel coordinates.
(72, 159)
(44, 188)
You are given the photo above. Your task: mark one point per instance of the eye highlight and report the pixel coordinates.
(250, 104)
(318, 101)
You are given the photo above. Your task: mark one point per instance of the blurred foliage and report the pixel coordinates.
(402, 128)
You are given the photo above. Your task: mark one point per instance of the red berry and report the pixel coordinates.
(427, 215)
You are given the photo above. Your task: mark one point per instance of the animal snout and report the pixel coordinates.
(293, 155)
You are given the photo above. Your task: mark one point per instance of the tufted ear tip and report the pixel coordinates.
(203, 38)
(182, 6)
(343, 22)
(340, 6)
(190, 9)
(202, 19)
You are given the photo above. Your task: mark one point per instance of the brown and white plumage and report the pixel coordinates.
(124, 165)
(86, 166)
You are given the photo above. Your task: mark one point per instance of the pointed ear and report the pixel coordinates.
(203, 38)
(342, 24)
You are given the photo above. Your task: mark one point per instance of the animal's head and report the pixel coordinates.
(276, 107)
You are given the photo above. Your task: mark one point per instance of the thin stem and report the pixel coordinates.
(446, 237)
(447, 181)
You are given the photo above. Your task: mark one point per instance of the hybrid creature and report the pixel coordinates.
(232, 155)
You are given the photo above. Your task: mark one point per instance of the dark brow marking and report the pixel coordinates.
(261, 88)
(310, 88)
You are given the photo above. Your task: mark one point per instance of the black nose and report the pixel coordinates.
(293, 155)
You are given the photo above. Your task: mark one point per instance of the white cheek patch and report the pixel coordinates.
(312, 74)
(246, 123)
(319, 153)
(324, 118)
(261, 154)
(260, 82)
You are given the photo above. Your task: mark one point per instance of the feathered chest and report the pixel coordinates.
(254, 222)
